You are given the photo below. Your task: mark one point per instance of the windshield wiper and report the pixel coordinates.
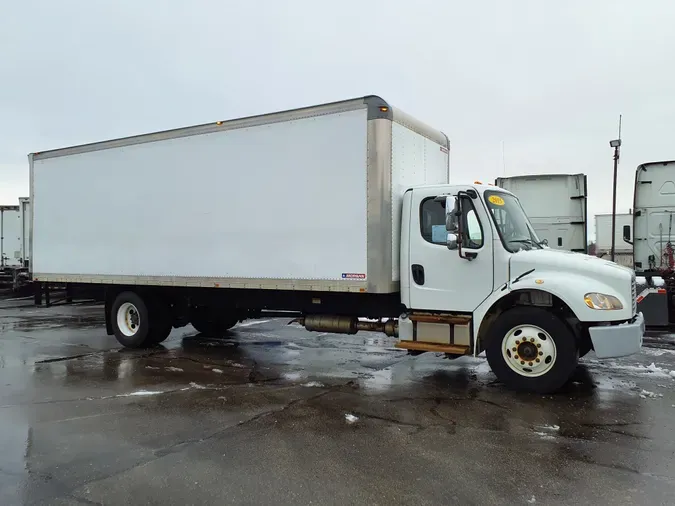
(529, 242)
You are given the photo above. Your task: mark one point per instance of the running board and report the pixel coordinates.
(453, 349)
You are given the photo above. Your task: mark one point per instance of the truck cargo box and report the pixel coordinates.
(307, 199)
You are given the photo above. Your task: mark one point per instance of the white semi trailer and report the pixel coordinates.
(342, 213)
(10, 236)
(623, 252)
(556, 205)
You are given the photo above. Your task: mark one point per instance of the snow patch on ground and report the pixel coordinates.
(651, 370)
(173, 369)
(646, 394)
(311, 384)
(482, 367)
(219, 371)
(198, 386)
(255, 322)
(141, 392)
(292, 376)
(351, 418)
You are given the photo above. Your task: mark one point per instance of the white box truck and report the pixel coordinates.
(341, 213)
(556, 205)
(623, 252)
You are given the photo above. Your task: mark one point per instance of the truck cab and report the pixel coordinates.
(479, 278)
(652, 236)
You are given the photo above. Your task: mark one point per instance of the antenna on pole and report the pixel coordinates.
(503, 160)
(616, 144)
(619, 137)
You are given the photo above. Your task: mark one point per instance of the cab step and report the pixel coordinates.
(448, 319)
(453, 349)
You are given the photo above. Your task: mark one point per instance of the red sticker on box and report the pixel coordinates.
(351, 275)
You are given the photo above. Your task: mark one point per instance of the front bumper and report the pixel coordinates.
(618, 340)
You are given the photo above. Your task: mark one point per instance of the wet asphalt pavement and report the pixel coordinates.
(276, 415)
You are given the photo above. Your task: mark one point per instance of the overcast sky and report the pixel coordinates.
(548, 79)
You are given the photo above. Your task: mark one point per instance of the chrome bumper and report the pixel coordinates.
(618, 340)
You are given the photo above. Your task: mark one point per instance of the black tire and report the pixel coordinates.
(214, 326)
(152, 324)
(562, 336)
(585, 346)
(160, 324)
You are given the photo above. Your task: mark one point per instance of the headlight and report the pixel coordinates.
(602, 301)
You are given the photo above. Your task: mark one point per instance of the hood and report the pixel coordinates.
(548, 259)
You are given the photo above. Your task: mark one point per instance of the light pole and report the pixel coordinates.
(616, 144)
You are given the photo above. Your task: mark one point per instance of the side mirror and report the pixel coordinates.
(451, 213)
(626, 233)
(452, 241)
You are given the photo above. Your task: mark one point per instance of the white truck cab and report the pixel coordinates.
(478, 276)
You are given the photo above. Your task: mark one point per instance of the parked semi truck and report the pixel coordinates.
(556, 206)
(653, 239)
(341, 213)
(623, 252)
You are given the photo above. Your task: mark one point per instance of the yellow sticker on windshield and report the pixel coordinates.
(496, 200)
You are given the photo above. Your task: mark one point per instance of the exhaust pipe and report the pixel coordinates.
(345, 325)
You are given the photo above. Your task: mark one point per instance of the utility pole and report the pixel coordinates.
(616, 144)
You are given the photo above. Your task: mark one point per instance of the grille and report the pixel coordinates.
(634, 294)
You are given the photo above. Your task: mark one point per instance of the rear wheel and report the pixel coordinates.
(214, 325)
(138, 322)
(531, 349)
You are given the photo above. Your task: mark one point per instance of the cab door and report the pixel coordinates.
(441, 279)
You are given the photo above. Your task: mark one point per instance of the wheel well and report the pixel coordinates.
(528, 297)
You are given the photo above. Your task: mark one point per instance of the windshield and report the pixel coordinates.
(513, 225)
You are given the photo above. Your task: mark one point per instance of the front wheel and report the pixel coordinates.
(531, 349)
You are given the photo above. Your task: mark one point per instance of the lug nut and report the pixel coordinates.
(522, 362)
(538, 360)
(516, 357)
(541, 353)
(517, 342)
(514, 349)
(531, 364)
(538, 345)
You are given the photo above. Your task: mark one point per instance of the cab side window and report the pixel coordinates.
(432, 223)
(473, 233)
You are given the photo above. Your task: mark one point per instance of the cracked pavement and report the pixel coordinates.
(275, 415)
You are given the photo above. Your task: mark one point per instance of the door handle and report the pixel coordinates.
(418, 274)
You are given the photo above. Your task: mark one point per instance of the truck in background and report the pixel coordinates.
(25, 221)
(556, 205)
(14, 242)
(10, 241)
(340, 213)
(652, 237)
(623, 252)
